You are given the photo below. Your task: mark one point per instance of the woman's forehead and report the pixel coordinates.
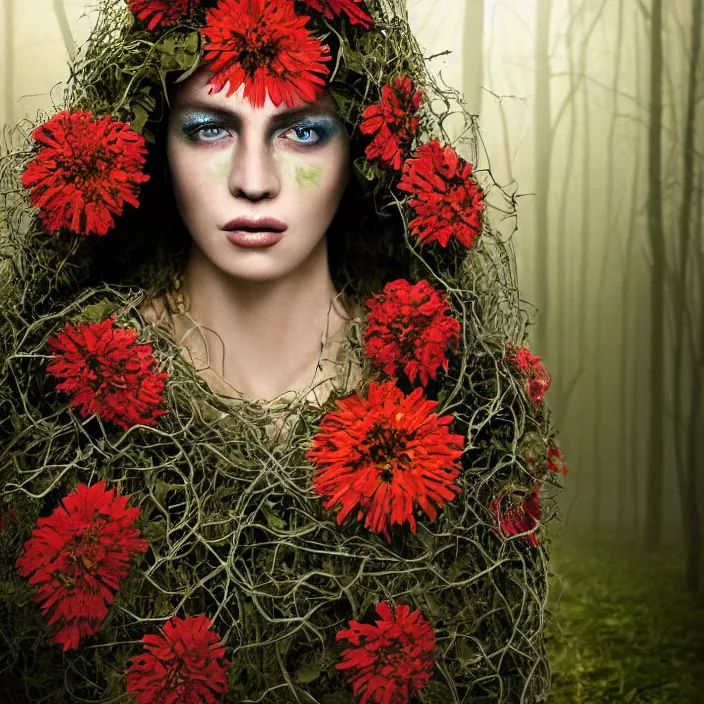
(197, 89)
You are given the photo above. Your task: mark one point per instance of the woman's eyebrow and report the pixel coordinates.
(279, 118)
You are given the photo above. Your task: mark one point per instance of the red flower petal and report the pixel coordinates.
(392, 660)
(556, 461)
(78, 556)
(107, 373)
(385, 455)
(352, 8)
(542, 456)
(407, 328)
(446, 199)
(515, 513)
(86, 169)
(162, 13)
(392, 122)
(264, 45)
(536, 376)
(184, 664)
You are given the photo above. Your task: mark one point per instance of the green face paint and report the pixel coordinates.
(220, 169)
(308, 176)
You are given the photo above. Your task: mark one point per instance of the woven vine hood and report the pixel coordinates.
(163, 541)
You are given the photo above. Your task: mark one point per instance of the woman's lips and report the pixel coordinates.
(248, 232)
(255, 224)
(246, 238)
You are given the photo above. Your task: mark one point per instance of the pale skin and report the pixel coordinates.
(262, 313)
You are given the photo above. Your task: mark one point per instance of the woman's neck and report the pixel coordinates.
(260, 338)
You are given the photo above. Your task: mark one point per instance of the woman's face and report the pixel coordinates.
(229, 160)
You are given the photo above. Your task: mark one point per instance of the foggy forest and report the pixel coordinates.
(591, 115)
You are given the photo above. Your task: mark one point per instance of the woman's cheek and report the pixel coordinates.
(306, 177)
(220, 168)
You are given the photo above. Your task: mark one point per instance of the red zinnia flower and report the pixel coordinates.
(384, 455)
(407, 327)
(537, 377)
(107, 373)
(85, 171)
(517, 512)
(184, 664)
(263, 44)
(393, 660)
(443, 194)
(392, 122)
(165, 13)
(336, 7)
(79, 556)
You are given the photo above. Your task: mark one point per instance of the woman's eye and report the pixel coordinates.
(303, 135)
(203, 131)
(300, 134)
(209, 133)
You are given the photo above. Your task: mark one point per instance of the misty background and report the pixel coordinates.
(592, 118)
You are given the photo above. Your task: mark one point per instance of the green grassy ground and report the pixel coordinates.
(623, 628)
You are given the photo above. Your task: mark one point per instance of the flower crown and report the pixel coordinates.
(87, 168)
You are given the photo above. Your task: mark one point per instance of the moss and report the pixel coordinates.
(622, 623)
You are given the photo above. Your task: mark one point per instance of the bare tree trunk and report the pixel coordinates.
(629, 464)
(654, 502)
(583, 288)
(473, 59)
(574, 296)
(613, 230)
(543, 158)
(66, 35)
(504, 124)
(685, 452)
(564, 298)
(696, 414)
(9, 61)
(585, 230)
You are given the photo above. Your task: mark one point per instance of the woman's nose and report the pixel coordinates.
(254, 172)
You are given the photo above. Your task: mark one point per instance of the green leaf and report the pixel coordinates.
(140, 118)
(343, 103)
(272, 519)
(432, 606)
(97, 312)
(191, 47)
(371, 599)
(306, 675)
(155, 530)
(161, 489)
(367, 170)
(178, 52)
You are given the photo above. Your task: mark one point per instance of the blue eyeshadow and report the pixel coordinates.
(194, 120)
(326, 125)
